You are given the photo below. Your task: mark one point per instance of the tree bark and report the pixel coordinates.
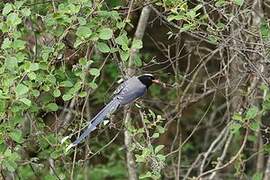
(131, 164)
(267, 170)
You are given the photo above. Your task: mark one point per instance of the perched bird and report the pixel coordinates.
(127, 92)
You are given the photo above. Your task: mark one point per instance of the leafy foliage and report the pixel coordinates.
(58, 64)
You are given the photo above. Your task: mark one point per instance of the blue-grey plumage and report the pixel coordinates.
(126, 93)
(133, 88)
(108, 109)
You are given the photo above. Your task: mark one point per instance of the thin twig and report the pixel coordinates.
(230, 162)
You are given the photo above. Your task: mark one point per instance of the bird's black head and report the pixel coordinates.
(147, 79)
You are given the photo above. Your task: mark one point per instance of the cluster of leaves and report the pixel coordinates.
(34, 79)
(37, 79)
(252, 117)
(212, 23)
(146, 153)
(193, 17)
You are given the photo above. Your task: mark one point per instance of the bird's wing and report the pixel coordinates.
(119, 88)
(105, 112)
(132, 90)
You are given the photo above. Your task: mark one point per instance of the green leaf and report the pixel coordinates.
(266, 105)
(9, 155)
(176, 17)
(252, 112)
(82, 94)
(83, 32)
(13, 19)
(3, 27)
(7, 9)
(32, 76)
(11, 64)
(56, 93)
(138, 61)
(21, 57)
(77, 86)
(9, 165)
(255, 126)
(160, 129)
(186, 27)
(94, 71)
(124, 55)
(67, 97)
(120, 25)
(45, 87)
(2, 106)
(21, 89)
(235, 127)
(102, 47)
(56, 154)
(264, 87)
(237, 117)
(34, 66)
(265, 30)
(52, 106)
(221, 3)
(49, 177)
(16, 135)
(105, 34)
(158, 148)
(123, 41)
(78, 42)
(82, 20)
(148, 175)
(66, 83)
(155, 135)
(83, 61)
(26, 12)
(239, 2)
(26, 101)
(18, 4)
(35, 93)
(161, 157)
(191, 14)
(252, 138)
(257, 176)
(6, 44)
(2, 69)
(93, 85)
(137, 44)
(213, 39)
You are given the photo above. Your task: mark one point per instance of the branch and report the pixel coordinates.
(267, 170)
(131, 164)
(228, 163)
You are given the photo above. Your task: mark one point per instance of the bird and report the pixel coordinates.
(127, 92)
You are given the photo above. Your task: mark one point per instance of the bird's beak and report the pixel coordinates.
(156, 81)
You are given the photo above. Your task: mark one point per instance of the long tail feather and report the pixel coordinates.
(105, 112)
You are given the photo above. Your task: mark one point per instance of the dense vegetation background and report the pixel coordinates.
(61, 60)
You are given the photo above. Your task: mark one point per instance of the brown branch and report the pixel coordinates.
(131, 164)
(222, 157)
(267, 170)
(228, 163)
